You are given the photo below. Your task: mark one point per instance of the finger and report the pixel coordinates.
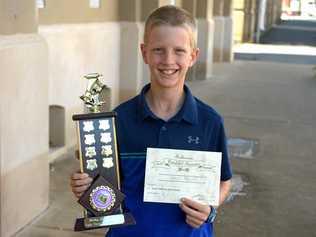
(194, 204)
(80, 182)
(193, 225)
(193, 221)
(78, 195)
(80, 189)
(191, 212)
(78, 175)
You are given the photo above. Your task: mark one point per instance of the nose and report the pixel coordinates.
(169, 57)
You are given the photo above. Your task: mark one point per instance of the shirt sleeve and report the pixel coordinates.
(226, 171)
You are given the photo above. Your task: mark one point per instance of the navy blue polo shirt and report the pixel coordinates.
(195, 127)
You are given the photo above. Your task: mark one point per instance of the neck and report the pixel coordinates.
(165, 104)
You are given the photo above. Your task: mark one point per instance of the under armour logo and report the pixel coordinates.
(196, 140)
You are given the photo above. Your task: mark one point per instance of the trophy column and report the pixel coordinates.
(99, 157)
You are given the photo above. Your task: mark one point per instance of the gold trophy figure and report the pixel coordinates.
(92, 93)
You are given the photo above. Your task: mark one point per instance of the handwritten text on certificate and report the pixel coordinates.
(173, 174)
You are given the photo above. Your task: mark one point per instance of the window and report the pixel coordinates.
(40, 3)
(95, 3)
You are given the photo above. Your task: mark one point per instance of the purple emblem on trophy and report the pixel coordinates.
(102, 198)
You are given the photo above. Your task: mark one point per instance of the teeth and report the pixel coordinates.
(169, 71)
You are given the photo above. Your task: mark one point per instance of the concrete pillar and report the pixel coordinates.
(190, 6)
(218, 8)
(247, 21)
(219, 24)
(24, 172)
(239, 20)
(253, 19)
(167, 2)
(205, 39)
(269, 13)
(277, 11)
(274, 13)
(131, 63)
(228, 8)
(147, 6)
(228, 55)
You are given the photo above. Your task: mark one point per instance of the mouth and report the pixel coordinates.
(168, 72)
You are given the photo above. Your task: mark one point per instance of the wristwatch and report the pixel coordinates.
(211, 216)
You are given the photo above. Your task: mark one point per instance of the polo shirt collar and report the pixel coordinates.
(188, 112)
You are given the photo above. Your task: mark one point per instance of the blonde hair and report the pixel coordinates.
(171, 16)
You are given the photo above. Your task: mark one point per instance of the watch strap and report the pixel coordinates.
(211, 216)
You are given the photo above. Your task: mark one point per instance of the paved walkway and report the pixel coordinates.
(298, 54)
(293, 32)
(293, 41)
(272, 104)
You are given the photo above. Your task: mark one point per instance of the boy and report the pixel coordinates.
(165, 115)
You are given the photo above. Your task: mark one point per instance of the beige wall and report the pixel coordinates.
(147, 7)
(77, 11)
(132, 77)
(17, 16)
(129, 10)
(24, 130)
(204, 9)
(74, 51)
(24, 174)
(218, 8)
(190, 6)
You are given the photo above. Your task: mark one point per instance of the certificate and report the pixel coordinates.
(173, 174)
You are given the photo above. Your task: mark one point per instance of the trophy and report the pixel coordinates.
(99, 157)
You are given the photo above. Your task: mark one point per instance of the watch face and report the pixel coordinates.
(102, 198)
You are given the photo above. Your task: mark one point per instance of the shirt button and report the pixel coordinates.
(163, 128)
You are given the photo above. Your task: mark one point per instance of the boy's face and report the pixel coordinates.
(169, 55)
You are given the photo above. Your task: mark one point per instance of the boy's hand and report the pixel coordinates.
(79, 183)
(196, 213)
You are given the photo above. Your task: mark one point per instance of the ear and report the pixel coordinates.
(143, 49)
(194, 56)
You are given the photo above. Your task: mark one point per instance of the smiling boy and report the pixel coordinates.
(165, 115)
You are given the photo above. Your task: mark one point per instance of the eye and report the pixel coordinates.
(157, 50)
(180, 51)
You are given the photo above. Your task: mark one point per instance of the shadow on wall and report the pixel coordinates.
(56, 126)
